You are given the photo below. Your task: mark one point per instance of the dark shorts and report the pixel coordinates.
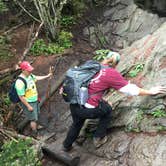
(31, 115)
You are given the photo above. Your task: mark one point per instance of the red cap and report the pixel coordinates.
(26, 66)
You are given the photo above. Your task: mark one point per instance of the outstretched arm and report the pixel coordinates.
(46, 76)
(43, 77)
(153, 91)
(134, 90)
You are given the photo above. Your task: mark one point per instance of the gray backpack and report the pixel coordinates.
(75, 85)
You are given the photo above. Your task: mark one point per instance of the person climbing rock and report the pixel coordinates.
(28, 95)
(95, 107)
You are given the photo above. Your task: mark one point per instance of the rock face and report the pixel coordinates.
(121, 23)
(139, 122)
(150, 53)
(153, 5)
(132, 150)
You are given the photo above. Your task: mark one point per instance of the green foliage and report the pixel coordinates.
(139, 116)
(161, 128)
(4, 40)
(3, 7)
(5, 52)
(101, 54)
(64, 39)
(67, 21)
(79, 7)
(159, 113)
(130, 128)
(100, 36)
(102, 39)
(38, 47)
(18, 154)
(63, 42)
(138, 68)
(6, 100)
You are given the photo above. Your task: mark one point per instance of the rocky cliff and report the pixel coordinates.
(138, 124)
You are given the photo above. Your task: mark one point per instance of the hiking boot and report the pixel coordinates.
(39, 127)
(67, 149)
(80, 140)
(99, 141)
(34, 133)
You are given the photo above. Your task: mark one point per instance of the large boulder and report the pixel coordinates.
(149, 53)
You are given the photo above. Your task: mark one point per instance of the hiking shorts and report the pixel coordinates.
(31, 115)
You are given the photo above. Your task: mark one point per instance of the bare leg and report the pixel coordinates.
(33, 125)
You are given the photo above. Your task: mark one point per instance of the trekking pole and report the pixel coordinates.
(51, 70)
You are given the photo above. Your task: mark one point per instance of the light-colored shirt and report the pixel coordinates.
(30, 93)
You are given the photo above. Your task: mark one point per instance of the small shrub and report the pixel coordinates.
(3, 7)
(18, 154)
(64, 39)
(6, 100)
(101, 54)
(158, 113)
(38, 47)
(2, 40)
(67, 21)
(79, 6)
(63, 42)
(138, 68)
(161, 128)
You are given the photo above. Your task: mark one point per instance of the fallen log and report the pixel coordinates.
(61, 156)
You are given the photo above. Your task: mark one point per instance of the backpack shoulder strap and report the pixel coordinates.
(105, 67)
(23, 80)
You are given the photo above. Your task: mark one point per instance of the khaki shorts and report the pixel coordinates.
(31, 115)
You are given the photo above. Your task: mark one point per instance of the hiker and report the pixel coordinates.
(95, 107)
(29, 96)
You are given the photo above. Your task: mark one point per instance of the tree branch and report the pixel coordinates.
(28, 12)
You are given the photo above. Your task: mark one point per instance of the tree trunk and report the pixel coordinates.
(49, 12)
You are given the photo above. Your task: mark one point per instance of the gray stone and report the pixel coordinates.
(123, 13)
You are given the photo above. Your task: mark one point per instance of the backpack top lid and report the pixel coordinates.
(13, 96)
(78, 77)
